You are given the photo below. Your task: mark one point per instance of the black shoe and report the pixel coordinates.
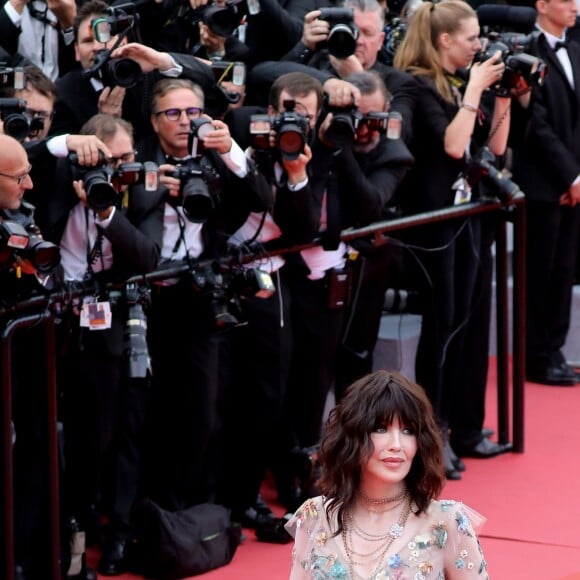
(255, 515)
(555, 372)
(273, 531)
(484, 449)
(451, 471)
(114, 560)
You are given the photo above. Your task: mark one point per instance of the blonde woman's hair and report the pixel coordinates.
(429, 21)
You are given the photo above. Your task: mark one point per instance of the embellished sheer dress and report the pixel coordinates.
(441, 543)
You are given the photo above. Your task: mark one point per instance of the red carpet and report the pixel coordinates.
(531, 500)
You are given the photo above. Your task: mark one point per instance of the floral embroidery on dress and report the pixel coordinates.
(440, 534)
(324, 567)
(463, 524)
(321, 539)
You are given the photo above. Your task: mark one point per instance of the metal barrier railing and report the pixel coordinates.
(39, 309)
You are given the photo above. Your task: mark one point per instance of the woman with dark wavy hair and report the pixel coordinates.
(379, 516)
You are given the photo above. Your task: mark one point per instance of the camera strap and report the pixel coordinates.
(96, 251)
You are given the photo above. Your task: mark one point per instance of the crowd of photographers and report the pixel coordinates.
(159, 159)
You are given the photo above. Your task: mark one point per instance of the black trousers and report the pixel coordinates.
(183, 422)
(552, 238)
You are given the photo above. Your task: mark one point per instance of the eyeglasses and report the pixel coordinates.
(175, 114)
(123, 158)
(34, 113)
(19, 178)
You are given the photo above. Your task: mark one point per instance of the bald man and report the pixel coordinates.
(30, 474)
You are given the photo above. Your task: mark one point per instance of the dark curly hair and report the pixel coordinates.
(368, 403)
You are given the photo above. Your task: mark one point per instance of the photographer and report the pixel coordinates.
(204, 195)
(20, 278)
(101, 241)
(375, 268)
(41, 32)
(83, 92)
(547, 167)
(441, 39)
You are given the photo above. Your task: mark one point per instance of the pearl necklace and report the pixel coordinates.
(378, 554)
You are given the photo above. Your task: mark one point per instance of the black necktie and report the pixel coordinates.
(560, 44)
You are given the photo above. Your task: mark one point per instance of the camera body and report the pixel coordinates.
(341, 41)
(102, 183)
(518, 64)
(123, 72)
(17, 123)
(12, 77)
(291, 131)
(199, 192)
(346, 121)
(16, 240)
(222, 19)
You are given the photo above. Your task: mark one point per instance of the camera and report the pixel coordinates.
(12, 77)
(199, 192)
(346, 121)
(341, 41)
(481, 166)
(17, 123)
(135, 348)
(102, 183)
(123, 72)
(518, 64)
(291, 131)
(222, 19)
(16, 240)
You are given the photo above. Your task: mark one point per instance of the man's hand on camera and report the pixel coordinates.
(296, 168)
(341, 93)
(148, 58)
(219, 139)
(314, 30)
(173, 184)
(111, 101)
(89, 149)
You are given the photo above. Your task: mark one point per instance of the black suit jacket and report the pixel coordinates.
(548, 161)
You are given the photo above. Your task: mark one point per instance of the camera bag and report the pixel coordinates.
(173, 545)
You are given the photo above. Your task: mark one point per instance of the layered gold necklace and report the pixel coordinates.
(376, 556)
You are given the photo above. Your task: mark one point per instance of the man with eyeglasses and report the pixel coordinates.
(17, 282)
(183, 321)
(101, 404)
